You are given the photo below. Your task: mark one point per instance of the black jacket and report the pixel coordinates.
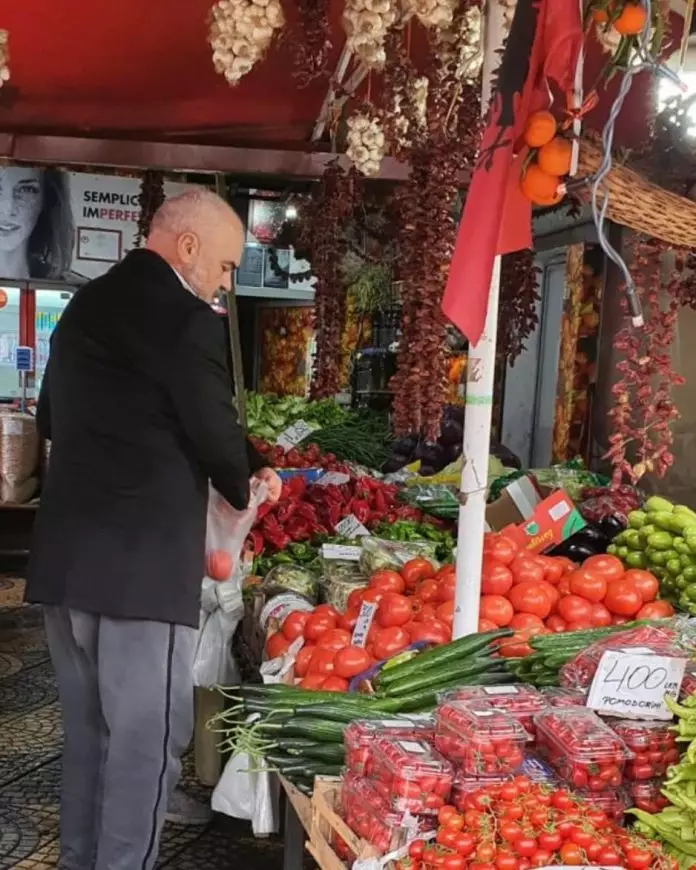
(138, 405)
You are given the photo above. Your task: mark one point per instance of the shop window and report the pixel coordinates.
(50, 304)
(9, 339)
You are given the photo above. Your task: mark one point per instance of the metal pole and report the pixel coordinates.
(233, 327)
(479, 401)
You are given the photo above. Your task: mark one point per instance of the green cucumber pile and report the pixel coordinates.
(299, 733)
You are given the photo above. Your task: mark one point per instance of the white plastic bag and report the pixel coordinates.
(221, 595)
(244, 793)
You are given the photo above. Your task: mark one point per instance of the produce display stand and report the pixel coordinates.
(325, 823)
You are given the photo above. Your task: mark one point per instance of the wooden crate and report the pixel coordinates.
(301, 804)
(326, 822)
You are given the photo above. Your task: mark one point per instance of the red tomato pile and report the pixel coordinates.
(415, 604)
(647, 796)
(535, 594)
(410, 776)
(479, 739)
(653, 744)
(584, 751)
(519, 825)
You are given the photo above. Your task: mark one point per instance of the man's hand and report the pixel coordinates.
(272, 481)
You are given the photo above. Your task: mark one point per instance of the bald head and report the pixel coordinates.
(201, 237)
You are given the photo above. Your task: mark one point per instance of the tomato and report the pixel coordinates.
(445, 613)
(510, 831)
(505, 861)
(431, 631)
(454, 862)
(523, 621)
(638, 859)
(387, 581)
(526, 570)
(334, 639)
(567, 564)
(446, 587)
(218, 565)
(277, 645)
(486, 625)
(394, 609)
(322, 662)
(515, 646)
(609, 856)
(645, 582)
(496, 579)
(554, 569)
(424, 611)
(389, 642)
(312, 682)
(428, 591)
(500, 548)
(464, 844)
(623, 599)
(446, 837)
(496, 609)
(605, 565)
(317, 624)
(371, 596)
(355, 599)
(335, 684)
(414, 572)
(530, 597)
(600, 616)
(555, 623)
(351, 661)
(294, 624)
(573, 608)
(445, 813)
(485, 851)
(525, 846)
(302, 660)
(415, 850)
(551, 593)
(572, 855)
(349, 619)
(326, 610)
(588, 584)
(563, 586)
(655, 610)
(550, 840)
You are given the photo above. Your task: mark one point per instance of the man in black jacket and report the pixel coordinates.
(138, 405)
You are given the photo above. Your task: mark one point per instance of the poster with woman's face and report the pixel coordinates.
(36, 223)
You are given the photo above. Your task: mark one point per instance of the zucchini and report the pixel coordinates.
(434, 677)
(463, 648)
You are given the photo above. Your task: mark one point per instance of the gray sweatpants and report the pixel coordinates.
(126, 692)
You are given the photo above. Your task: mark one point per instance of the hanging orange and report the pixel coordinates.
(539, 187)
(632, 19)
(539, 129)
(601, 16)
(555, 156)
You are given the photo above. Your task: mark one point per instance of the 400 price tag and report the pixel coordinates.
(634, 685)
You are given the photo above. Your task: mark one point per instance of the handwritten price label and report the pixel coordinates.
(293, 435)
(341, 552)
(634, 685)
(362, 626)
(351, 527)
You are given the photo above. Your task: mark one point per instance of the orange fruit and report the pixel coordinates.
(539, 187)
(601, 16)
(539, 129)
(555, 156)
(632, 19)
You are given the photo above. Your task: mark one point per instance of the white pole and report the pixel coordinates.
(479, 400)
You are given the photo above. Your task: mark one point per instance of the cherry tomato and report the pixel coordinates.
(464, 844)
(415, 850)
(454, 862)
(572, 855)
(525, 846)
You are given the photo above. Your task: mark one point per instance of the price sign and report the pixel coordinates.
(351, 527)
(24, 359)
(362, 626)
(335, 478)
(634, 685)
(292, 436)
(341, 552)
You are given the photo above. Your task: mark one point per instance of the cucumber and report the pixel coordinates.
(346, 714)
(463, 648)
(434, 677)
(331, 753)
(424, 701)
(315, 729)
(304, 767)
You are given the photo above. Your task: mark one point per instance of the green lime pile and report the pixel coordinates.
(661, 539)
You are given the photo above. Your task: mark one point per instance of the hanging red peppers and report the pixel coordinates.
(150, 199)
(519, 295)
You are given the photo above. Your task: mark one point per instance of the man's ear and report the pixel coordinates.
(188, 245)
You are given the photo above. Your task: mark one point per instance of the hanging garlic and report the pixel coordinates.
(419, 98)
(366, 143)
(4, 57)
(366, 23)
(508, 7)
(240, 33)
(470, 59)
(432, 13)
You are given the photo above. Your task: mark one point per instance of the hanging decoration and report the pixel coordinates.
(366, 143)
(241, 32)
(323, 235)
(150, 199)
(427, 201)
(310, 39)
(4, 57)
(643, 410)
(366, 23)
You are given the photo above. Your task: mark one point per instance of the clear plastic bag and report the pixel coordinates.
(378, 554)
(244, 793)
(221, 595)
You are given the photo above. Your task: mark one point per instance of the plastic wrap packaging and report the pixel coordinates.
(393, 555)
(19, 457)
(295, 579)
(521, 702)
(222, 606)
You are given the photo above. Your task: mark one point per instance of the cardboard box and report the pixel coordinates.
(535, 519)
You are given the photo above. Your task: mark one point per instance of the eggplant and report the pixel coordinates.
(452, 453)
(427, 470)
(611, 527)
(507, 457)
(452, 432)
(429, 454)
(395, 463)
(406, 446)
(454, 413)
(578, 552)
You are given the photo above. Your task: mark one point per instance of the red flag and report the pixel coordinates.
(544, 43)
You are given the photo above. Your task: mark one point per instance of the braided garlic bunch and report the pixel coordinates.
(366, 23)
(4, 57)
(432, 13)
(241, 32)
(366, 142)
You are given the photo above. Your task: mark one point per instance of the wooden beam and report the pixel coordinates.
(338, 76)
(170, 157)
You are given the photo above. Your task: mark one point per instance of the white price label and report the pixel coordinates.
(351, 527)
(500, 690)
(362, 626)
(335, 478)
(292, 436)
(634, 685)
(413, 747)
(341, 552)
